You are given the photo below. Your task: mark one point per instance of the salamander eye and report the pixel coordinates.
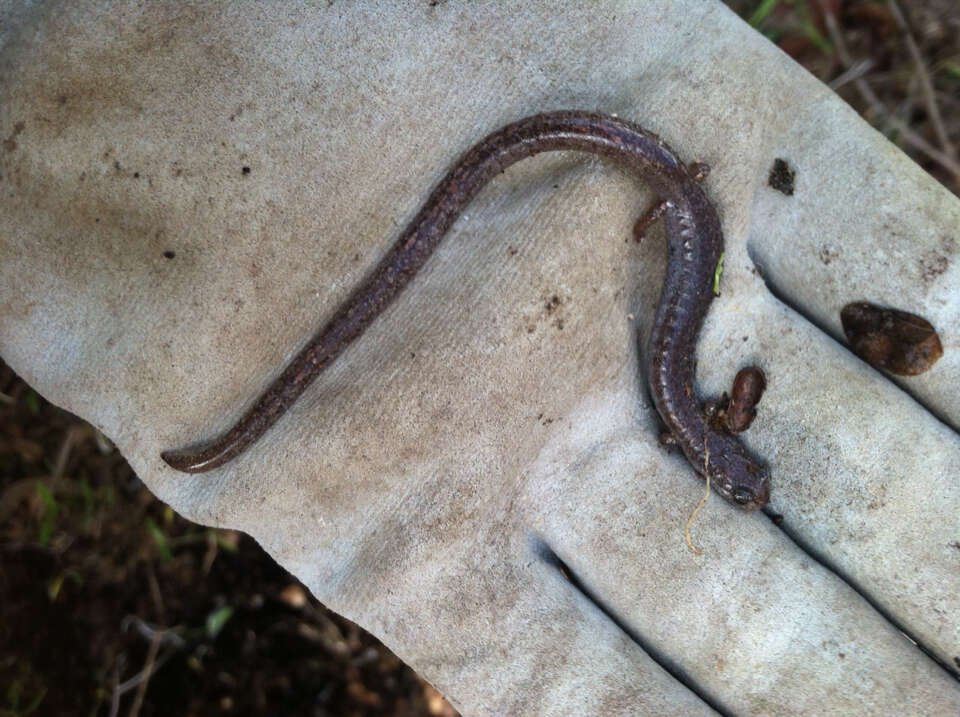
(743, 495)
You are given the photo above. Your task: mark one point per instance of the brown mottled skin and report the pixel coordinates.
(694, 244)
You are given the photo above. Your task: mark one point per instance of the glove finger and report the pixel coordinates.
(598, 501)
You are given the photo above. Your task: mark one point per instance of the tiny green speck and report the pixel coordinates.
(217, 619)
(763, 9)
(33, 402)
(50, 509)
(717, 271)
(163, 547)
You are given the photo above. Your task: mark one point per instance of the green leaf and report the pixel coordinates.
(811, 31)
(49, 517)
(717, 271)
(13, 694)
(217, 619)
(33, 401)
(13, 701)
(53, 587)
(763, 9)
(35, 702)
(163, 546)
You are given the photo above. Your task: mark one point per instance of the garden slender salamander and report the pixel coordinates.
(694, 241)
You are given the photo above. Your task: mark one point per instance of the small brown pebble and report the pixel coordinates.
(896, 341)
(748, 387)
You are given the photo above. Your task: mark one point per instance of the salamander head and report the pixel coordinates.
(739, 478)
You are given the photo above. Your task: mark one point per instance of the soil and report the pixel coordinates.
(107, 595)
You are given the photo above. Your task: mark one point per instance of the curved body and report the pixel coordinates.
(694, 243)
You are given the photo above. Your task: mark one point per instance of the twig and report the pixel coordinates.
(152, 663)
(115, 692)
(74, 435)
(861, 68)
(926, 85)
(706, 494)
(138, 678)
(210, 554)
(155, 593)
(147, 671)
(870, 97)
(168, 635)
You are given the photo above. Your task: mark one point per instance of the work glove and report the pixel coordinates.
(187, 194)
